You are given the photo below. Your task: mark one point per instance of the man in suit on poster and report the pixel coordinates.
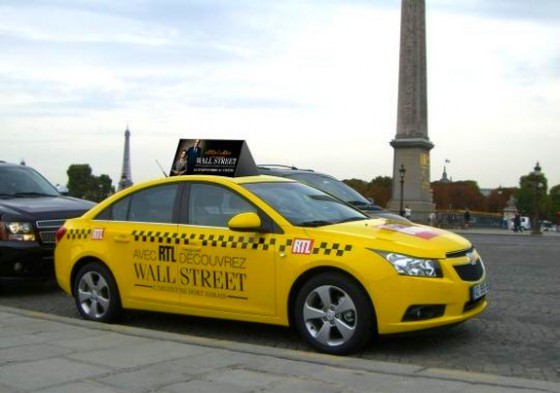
(193, 153)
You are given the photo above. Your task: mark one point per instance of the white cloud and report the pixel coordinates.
(308, 83)
(62, 25)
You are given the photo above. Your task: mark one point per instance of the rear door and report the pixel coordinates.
(141, 235)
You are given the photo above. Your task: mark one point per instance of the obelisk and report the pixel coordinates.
(126, 177)
(411, 144)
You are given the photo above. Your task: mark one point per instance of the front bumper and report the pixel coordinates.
(418, 303)
(20, 260)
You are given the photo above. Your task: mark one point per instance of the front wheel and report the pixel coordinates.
(333, 313)
(96, 293)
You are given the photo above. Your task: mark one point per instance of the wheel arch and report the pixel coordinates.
(81, 263)
(305, 276)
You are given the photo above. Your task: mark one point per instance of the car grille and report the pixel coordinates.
(47, 230)
(459, 254)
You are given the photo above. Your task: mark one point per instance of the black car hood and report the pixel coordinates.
(44, 207)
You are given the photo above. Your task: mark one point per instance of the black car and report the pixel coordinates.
(332, 186)
(31, 210)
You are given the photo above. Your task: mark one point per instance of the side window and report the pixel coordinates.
(153, 204)
(120, 209)
(211, 205)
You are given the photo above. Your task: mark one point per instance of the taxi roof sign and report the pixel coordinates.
(221, 157)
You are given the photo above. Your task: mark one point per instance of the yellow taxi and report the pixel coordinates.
(269, 250)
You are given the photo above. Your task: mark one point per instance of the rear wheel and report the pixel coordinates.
(96, 293)
(333, 313)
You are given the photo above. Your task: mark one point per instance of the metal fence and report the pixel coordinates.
(455, 219)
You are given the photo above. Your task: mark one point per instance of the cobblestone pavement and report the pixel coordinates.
(517, 336)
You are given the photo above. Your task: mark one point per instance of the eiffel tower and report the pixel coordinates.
(126, 179)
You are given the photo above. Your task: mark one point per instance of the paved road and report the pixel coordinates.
(518, 336)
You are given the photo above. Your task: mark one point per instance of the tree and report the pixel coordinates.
(458, 195)
(79, 180)
(532, 194)
(82, 184)
(498, 199)
(379, 189)
(555, 204)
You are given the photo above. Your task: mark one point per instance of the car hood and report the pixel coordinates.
(406, 238)
(45, 207)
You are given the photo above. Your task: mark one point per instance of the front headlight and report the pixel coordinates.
(17, 231)
(410, 266)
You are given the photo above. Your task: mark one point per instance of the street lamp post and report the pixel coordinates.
(402, 172)
(536, 230)
(503, 221)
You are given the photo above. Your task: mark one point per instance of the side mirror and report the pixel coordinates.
(245, 222)
(62, 189)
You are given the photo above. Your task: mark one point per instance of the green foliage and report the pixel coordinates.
(532, 195)
(461, 194)
(82, 184)
(79, 179)
(379, 189)
(555, 203)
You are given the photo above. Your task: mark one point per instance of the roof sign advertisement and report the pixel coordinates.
(213, 157)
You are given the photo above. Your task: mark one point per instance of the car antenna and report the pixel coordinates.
(160, 167)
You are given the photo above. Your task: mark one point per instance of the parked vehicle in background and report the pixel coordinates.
(332, 186)
(31, 210)
(548, 226)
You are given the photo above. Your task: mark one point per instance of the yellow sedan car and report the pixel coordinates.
(269, 250)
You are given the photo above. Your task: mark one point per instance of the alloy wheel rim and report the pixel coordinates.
(94, 295)
(330, 315)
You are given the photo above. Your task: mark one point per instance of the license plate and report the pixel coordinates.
(479, 290)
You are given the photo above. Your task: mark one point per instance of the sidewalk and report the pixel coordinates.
(46, 353)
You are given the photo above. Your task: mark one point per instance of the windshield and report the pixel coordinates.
(24, 182)
(331, 186)
(302, 205)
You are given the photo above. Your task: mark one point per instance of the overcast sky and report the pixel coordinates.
(310, 83)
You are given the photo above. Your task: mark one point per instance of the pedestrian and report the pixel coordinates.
(407, 212)
(466, 218)
(432, 219)
(517, 222)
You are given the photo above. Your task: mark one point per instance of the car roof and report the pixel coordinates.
(213, 178)
(285, 169)
(14, 165)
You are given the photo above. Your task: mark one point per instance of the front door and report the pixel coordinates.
(220, 269)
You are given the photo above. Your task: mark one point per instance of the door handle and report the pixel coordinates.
(122, 238)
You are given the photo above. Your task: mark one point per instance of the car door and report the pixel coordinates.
(220, 269)
(141, 235)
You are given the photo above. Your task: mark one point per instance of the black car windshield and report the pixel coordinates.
(24, 182)
(332, 186)
(302, 205)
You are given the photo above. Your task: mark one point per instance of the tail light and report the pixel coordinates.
(60, 234)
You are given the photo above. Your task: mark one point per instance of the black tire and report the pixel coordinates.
(332, 312)
(96, 293)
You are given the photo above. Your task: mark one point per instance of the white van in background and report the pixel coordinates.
(525, 223)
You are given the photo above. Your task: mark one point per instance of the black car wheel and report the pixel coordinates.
(96, 293)
(333, 313)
